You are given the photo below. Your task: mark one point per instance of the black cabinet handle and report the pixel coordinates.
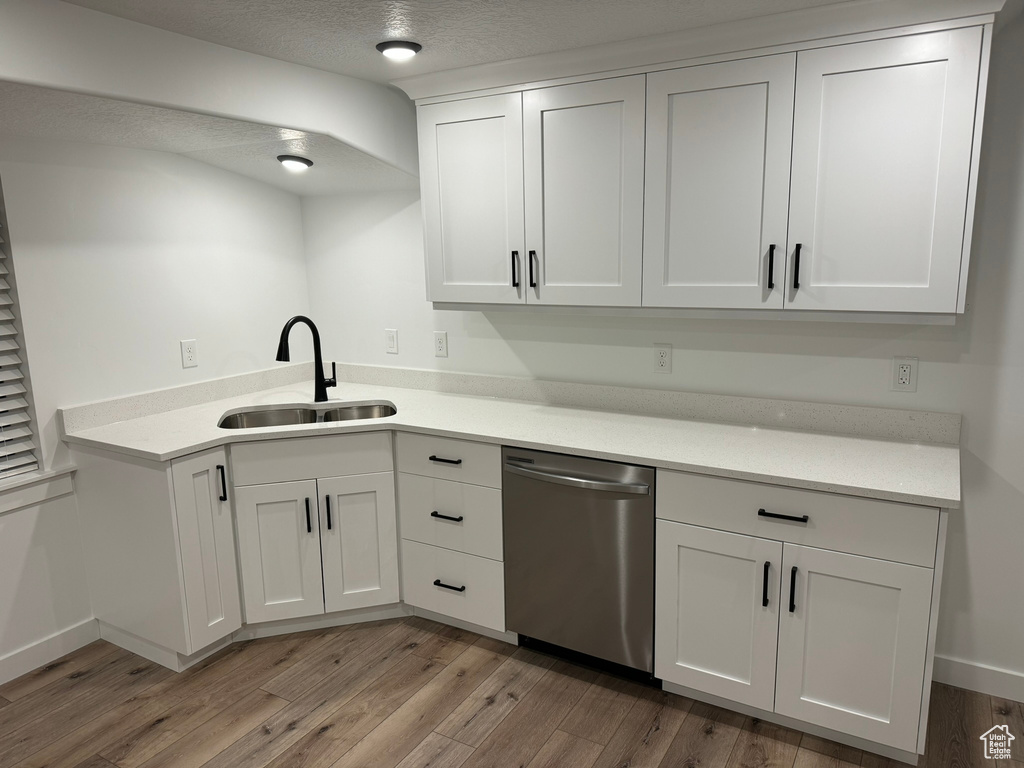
(515, 269)
(309, 523)
(796, 267)
(440, 460)
(223, 483)
(533, 281)
(771, 266)
(777, 516)
(438, 515)
(764, 588)
(327, 501)
(439, 583)
(792, 590)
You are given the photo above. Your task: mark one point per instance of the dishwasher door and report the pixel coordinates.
(579, 554)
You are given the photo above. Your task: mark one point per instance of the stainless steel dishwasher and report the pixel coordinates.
(579, 554)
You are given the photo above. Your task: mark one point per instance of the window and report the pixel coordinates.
(17, 441)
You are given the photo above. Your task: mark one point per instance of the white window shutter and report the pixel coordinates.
(17, 437)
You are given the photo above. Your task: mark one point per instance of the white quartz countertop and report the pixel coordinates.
(916, 473)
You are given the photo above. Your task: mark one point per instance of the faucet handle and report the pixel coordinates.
(333, 381)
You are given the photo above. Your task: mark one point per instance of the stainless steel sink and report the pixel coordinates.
(352, 412)
(271, 417)
(286, 415)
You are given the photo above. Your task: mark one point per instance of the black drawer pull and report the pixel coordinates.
(792, 590)
(439, 583)
(771, 266)
(515, 271)
(438, 515)
(223, 483)
(764, 592)
(327, 501)
(533, 258)
(309, 523)
(796, 267)
(777, 516)
(446, 461)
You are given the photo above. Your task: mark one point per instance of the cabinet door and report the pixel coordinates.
(716, 208)
(279, 547)
(471, 179)
(852, 644)
(206, 541)
(882, 146)
(713, 630)
(359, 541)
(583, 148)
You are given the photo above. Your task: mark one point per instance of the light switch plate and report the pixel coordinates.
(189, 353)
(391, 341)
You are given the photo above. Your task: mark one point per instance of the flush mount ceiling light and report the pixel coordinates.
(294, 163)
(399, 50)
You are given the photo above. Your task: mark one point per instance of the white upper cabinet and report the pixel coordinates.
(716, 205)
(471, 175)
(839, 175)
(583, 148)
(882, 148)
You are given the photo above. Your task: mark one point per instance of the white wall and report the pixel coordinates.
(119, 254)
(365, 262)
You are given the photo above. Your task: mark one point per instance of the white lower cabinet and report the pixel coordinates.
(824, 637)
(279, 545)
(717, 612)
(317, 546)
(359, 545)
(852, 644)
(310, 544)
(449, 495)
(207, 544)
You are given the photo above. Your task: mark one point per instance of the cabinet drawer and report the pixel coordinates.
(462, 460)
(477, 509)
(481, 602)
(887, 530)
(307, 458)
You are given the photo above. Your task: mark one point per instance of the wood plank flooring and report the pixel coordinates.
(414, 694)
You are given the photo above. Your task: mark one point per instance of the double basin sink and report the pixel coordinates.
(286, 415)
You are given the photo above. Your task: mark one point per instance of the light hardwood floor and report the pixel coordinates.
(411, 694)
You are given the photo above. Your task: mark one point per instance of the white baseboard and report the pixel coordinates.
(287, 626)
(38, 654)
(165, 657)
(1004, 683)
(494, 634)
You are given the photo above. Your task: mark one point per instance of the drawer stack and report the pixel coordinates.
(449, 501)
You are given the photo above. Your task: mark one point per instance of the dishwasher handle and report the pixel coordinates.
(639, 489)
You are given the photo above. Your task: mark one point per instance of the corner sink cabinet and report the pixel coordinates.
(812, 609)
(316, 525)
(773, 181)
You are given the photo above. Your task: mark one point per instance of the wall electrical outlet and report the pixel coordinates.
(391, 341)
(663, 358)
(904, 374)
(189, 353)
(440, 343)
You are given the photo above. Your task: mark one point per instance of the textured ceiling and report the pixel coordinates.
(339, 35)
(248, 149)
